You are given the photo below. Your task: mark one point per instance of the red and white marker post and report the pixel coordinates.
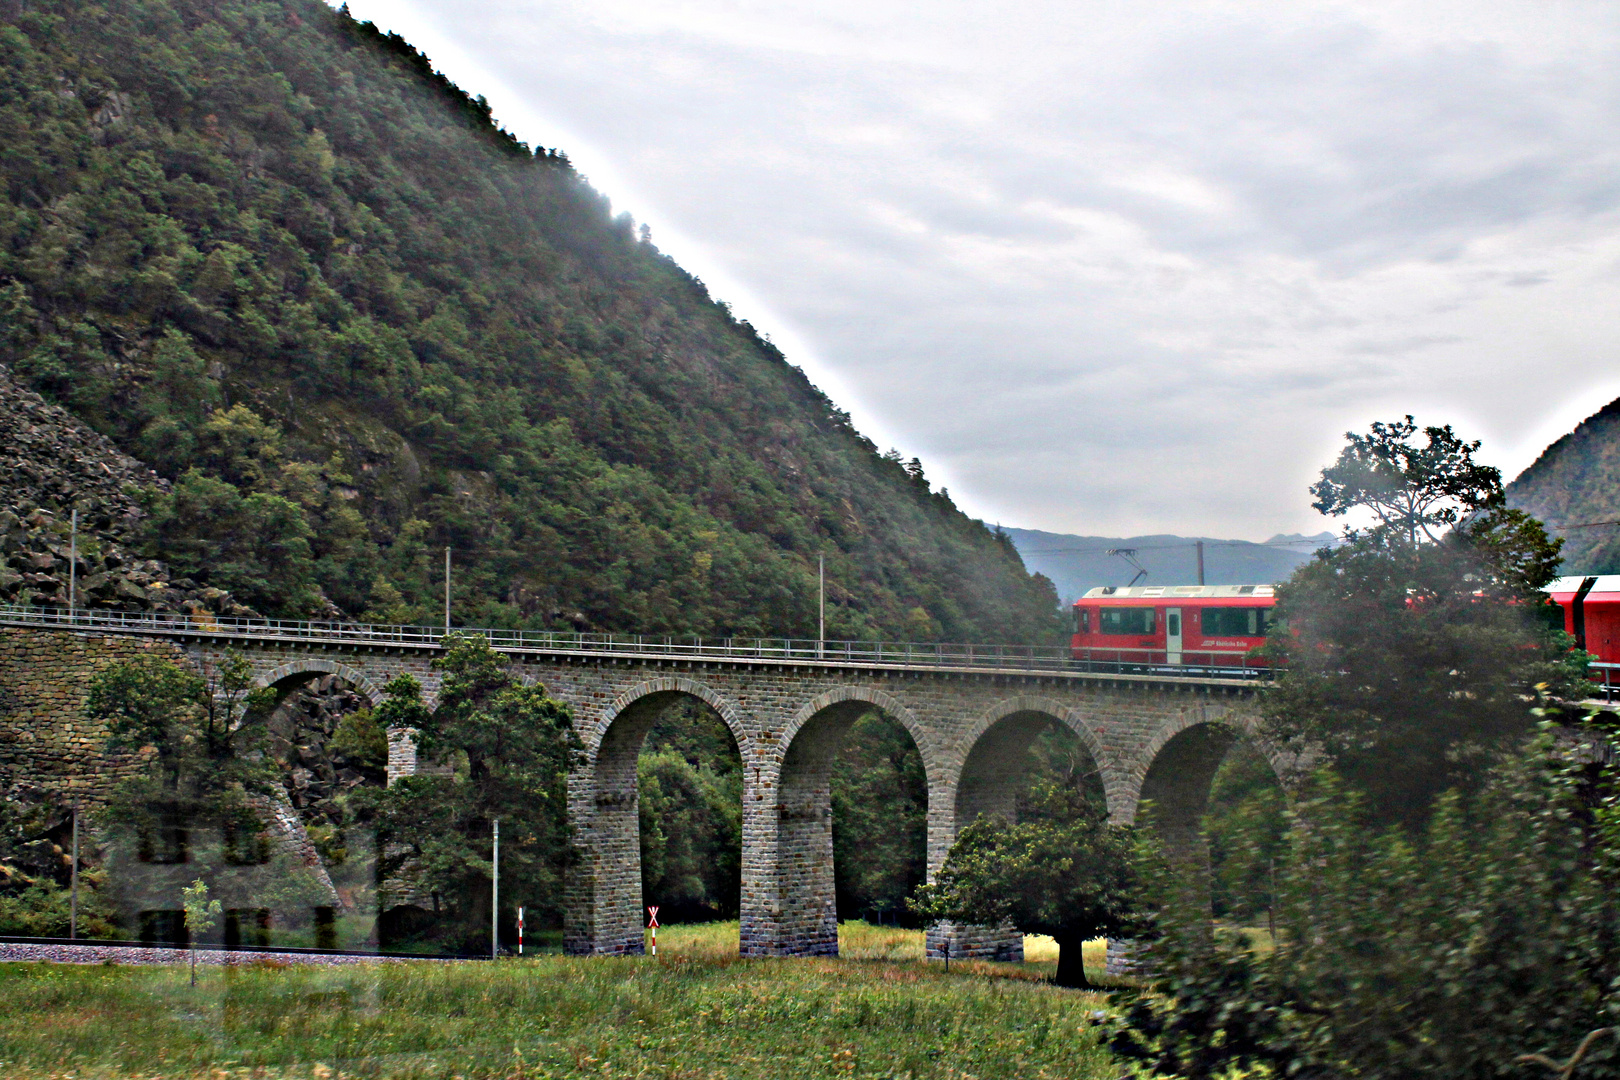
(520, 931)
(652, 924)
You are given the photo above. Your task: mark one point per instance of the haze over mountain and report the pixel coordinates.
(267, 251)
(1079, 563)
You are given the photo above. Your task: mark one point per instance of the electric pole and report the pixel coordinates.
(73, 568)
(495, 898)
(73, 903)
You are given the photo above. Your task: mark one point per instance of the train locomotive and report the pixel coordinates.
(1196, 626)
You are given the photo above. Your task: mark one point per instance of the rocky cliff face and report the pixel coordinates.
(1576, 481)
(51, 463)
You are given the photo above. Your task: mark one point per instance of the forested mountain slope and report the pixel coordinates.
(272, 255)
(1576, 481)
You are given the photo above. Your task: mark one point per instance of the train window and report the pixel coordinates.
(1082, 620)
(1125, 620)
(1236, 621)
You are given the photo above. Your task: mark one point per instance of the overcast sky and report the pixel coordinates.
(1110, 268)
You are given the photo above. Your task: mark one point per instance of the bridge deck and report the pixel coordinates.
(911, 657)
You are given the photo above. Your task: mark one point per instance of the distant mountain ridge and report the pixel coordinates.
(1576, 482)
(1076, 564)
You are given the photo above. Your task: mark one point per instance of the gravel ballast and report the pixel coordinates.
(124, 954)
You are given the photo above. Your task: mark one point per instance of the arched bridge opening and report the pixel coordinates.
(861, 744)
(693, 770)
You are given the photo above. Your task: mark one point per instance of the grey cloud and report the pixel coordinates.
(1111, 270)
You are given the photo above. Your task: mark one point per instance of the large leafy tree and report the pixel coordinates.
(1411, 650)
(1416, 490)
(200, 807)
(507, 748)
(1062, 870)
(202, 737)
(1445, 953)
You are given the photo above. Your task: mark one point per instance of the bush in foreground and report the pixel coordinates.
(1494, 933)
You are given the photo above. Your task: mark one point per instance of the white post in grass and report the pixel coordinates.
(495, 899)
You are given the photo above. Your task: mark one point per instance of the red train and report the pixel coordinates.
(1591, 606)
(1217, 626)
(1204, 626)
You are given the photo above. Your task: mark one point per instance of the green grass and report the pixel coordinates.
(697, 1011)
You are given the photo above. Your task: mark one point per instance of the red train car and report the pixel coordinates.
(1591, 604)
(1204, 626)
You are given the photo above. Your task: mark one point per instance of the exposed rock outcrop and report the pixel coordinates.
(51, 463)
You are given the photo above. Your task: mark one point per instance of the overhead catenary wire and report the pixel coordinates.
(1175, 547)
(1252, 543)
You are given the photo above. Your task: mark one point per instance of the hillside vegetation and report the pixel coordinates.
(1576, 481)
(349, 322)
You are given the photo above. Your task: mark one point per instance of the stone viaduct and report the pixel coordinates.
(972, 713)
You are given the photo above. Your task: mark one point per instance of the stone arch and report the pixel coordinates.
(670, 684)
(879, 699)
(989, 777)
(807, 918)
(1174, 772)
(287, 674)
(604, 909)
(1069, 716)
(1237, 724)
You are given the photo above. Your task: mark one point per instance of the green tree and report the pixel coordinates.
(1443, 953)
(1410, 653)
(690, 778)
(200, 804)
(201, 913)
(1416, 491)
(508, 748)
(202, 737)
(1063, 870)
(1246, 825)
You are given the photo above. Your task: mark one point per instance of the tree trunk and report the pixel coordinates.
(1071, 969)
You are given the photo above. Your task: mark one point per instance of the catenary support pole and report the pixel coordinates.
(73, 902)
(495, 898)
(1200, 546)
(73, 565)
(821, 617)
(447, 590)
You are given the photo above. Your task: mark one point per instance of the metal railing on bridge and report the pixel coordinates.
(1056, 658)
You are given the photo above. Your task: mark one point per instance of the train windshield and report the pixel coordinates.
(1237, 621)
(1125, 620)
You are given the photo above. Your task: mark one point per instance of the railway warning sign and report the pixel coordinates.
(652, 918)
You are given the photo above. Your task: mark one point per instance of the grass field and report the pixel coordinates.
(697, 1011)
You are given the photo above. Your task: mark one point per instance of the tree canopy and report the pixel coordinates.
(1062, 870)
(1411, 656)
(506, 749)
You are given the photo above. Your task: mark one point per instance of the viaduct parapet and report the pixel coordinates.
(971, 713)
